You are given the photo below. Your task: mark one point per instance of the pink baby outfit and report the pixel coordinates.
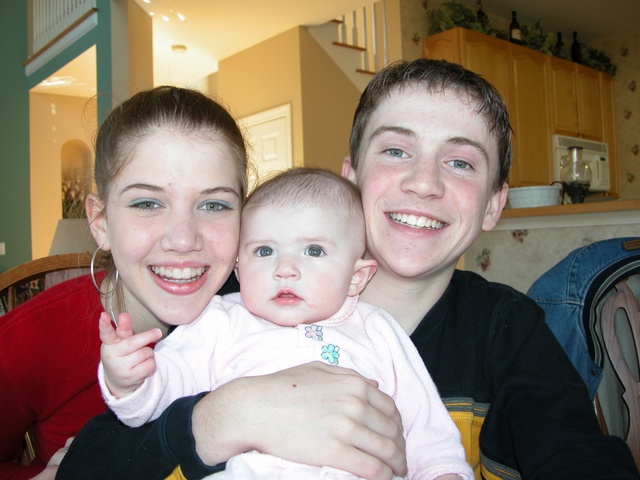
(227, 342)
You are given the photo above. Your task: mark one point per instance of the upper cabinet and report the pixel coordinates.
(529, 115)
(575, 99)
(544, 95)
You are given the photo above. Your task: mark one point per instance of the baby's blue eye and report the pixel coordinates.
(314, 251)
(264, 251)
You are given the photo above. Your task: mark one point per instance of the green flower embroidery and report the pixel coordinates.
(330, 354)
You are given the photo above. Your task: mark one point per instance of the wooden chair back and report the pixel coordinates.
(22, 274)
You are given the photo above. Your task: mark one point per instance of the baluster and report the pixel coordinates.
(365, 44)
(354, 29)
(342, 36)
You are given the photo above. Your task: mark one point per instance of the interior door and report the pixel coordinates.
(269, 137)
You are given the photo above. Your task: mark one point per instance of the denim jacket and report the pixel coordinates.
(570, 291)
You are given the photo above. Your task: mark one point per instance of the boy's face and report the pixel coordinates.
(295, 264)
(426, 169)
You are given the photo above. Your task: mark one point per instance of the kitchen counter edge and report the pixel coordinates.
(613, 212)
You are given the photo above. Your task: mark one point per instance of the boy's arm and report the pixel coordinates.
(126, 359)
(106, 448)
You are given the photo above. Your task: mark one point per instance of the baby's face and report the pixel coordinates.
(295, 264)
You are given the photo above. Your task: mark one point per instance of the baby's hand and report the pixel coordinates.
(127, 359)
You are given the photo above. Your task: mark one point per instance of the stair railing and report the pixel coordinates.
(51, 19)
(366, 29)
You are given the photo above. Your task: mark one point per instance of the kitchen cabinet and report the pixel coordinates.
(576, 103)
(544, 95)
(529, 115)
(479, 53)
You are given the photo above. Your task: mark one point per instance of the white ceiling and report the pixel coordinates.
(215, 29)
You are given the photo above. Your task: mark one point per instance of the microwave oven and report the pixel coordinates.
(594, 154)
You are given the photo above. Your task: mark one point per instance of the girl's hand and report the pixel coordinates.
(315, 414)
(49, 473)
(127, 359)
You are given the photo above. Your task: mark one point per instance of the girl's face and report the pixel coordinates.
(172, 224)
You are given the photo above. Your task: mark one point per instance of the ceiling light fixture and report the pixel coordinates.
(58, 81)
(179, 48)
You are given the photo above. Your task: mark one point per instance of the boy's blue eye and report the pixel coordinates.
(264, 251)
(396, 152)
(314, 251)
(461, 164)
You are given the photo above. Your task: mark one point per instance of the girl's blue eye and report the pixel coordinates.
(215, 206)
(145, 204)
(314, 251)
(264, 251)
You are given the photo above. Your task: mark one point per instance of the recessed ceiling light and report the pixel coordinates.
(179, 48)
(58, 81)
(181, 17)
(165, 18)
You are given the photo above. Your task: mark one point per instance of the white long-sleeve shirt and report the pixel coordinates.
(227, 342)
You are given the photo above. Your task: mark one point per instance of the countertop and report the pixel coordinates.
(609, 212)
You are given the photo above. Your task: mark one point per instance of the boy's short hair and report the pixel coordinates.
(437, 76)
(315, 187)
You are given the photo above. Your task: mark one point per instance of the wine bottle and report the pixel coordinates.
(482, 17)
(576, 54)
(557, 48)
(515, 34)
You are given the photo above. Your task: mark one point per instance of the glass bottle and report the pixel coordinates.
(482, 17)
(515, 34)
(576, 54)
(557, 48)
(575, 176)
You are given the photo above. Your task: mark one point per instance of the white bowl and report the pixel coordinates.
(542, 196)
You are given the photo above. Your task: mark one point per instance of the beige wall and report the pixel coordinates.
(140, 34)
(293, 68)
(54, 121)
(414, 26)
(132, 50)
(624, 51)
(329, 99)
(263, 77)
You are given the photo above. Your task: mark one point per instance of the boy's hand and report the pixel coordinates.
(127, 359)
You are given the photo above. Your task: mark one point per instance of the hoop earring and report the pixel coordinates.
(108, 295)
(93, 276)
